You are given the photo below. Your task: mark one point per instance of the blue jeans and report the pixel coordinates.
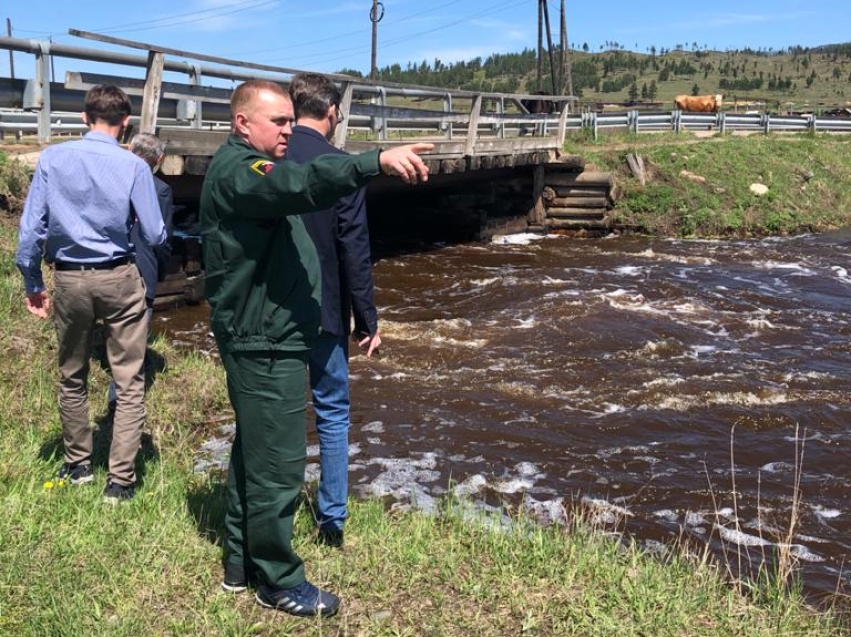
(329, 384)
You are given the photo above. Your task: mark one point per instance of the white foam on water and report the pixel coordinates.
(546, 511)
(826, 514)
(477, 343)
(376, 426)
(738, 537)
(778, 467)
(524, 324)
(761, 324)
(520, 239)
(630, 270)
(485, 282)
(512, 485)
(684, 403)
(471, 486)
(805, 554)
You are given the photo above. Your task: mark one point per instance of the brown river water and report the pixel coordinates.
(678, 389)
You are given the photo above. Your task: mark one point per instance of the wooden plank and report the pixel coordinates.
(538, 213)
(172, 165)
(575, 224)
(565, 212)
(586, 178)
(473, 127)
(578, 202)
(577, 191)
(83, 81)
(151, 94)
(342, 130)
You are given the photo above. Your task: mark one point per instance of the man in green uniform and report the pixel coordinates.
(262, 283)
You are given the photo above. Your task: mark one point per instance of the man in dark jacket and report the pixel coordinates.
(341, 237)
(152, 261)
(262, 283)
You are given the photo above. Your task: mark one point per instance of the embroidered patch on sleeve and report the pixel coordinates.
(262, 166)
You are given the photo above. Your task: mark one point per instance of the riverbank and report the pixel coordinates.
(74, 566)
(699, 187)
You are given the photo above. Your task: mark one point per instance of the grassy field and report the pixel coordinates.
(72, 565)
(701, 187)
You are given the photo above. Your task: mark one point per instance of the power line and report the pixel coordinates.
(192, 16)
(337, 55)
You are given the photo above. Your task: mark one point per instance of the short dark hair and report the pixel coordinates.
(107, 103)
(313, 94)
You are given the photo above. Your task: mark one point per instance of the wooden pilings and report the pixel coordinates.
(567, 197)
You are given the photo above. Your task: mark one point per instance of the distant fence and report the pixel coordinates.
(642, 122)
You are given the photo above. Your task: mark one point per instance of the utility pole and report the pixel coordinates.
(375, 15)
(539, 74)
(11, 57)
(566, 69)
(550, 47)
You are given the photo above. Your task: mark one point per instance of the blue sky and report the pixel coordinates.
(334, 35)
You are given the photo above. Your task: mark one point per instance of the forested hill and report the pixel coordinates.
(817, 76)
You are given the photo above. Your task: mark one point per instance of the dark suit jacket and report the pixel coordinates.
(341, 237)
(152, 262)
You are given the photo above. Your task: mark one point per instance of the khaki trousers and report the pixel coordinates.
(117, 298)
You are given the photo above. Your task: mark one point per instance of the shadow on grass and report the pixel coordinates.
(207, 503)
(101, 442)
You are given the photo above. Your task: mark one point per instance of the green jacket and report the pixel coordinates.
(262, 272)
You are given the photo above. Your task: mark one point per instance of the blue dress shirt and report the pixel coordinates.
(83, 200)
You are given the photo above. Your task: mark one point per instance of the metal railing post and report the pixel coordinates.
(195, 80)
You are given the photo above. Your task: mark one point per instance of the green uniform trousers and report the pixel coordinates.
(267, 390)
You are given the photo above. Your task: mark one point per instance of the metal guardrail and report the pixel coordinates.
(638, 122)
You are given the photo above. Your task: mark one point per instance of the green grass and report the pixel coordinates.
(72, 565)
(807, 178)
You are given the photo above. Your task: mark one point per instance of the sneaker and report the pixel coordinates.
(76, 474)
(235, 580)
(330, 537)
(304, 600)
(115, 492)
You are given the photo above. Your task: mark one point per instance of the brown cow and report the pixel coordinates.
(698, 103)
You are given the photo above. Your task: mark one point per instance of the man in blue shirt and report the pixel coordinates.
(83, 200)
(341, 237)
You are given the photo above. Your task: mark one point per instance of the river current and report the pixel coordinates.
(677, 389)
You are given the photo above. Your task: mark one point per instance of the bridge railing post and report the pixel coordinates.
(152, 92)
(342, 130)
(447, 108)
(473, 126)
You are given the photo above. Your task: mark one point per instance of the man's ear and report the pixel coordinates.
(85, 118)
(240, 123)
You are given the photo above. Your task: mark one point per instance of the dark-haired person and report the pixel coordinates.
(262, 283)
(341, 237)
(84, 197)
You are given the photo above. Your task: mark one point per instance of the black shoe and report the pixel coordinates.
(76, 474)
(330, 537)
(235, 580)
(304, 600)
(115, 493)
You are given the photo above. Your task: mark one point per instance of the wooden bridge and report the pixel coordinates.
(480, 139)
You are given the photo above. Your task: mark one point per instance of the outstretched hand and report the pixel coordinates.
(405, 162)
